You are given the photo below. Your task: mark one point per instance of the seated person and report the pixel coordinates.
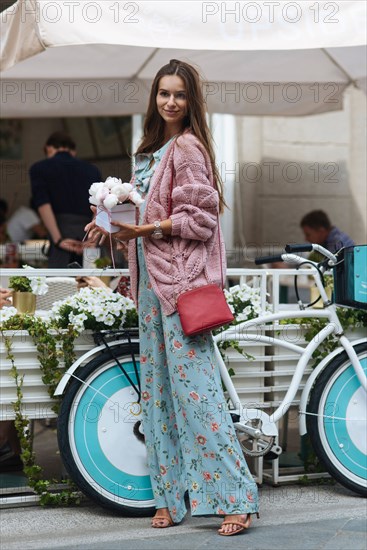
(317, 229)
(24, 224)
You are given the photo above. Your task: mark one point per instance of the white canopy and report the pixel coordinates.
(84, 58)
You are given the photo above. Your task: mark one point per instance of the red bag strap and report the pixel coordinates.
(170, 212)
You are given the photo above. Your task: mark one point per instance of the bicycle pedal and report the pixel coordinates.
(235, 417)
(274, 453)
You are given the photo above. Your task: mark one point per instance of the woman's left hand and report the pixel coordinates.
(126, 232)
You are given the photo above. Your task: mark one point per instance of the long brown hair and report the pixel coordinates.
(153, 137)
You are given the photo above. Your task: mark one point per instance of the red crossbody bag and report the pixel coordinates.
(204, 308)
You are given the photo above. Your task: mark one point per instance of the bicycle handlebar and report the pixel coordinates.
(289, 257)
(298, 247)
(268, 260)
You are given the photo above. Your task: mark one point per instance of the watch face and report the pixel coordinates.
(157, 233)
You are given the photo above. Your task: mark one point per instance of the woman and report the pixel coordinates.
(190, 438)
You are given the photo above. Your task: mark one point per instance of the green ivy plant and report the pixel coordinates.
(54, 340)
(350, 319)
(48, 354)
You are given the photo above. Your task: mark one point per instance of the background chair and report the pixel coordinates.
(59, 288)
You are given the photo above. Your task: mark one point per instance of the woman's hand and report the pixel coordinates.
(71, 245)
(5, 294)
(91, 282)
(126, 232)
(97, 235)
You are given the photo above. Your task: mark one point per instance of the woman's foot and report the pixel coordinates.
(162, 518)
(234, 524)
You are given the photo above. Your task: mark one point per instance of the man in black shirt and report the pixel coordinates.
(60, 186)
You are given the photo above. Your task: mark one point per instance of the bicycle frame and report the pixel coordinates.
(333, 327)
(304, 352)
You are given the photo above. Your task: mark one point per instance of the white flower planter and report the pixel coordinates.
(249, 373)
(36, 401)
(123, 213)
(282, 362)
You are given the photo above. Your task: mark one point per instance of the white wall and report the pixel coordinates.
(320, 163)
(357, 165)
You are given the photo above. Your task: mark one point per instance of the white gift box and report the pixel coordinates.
(124, 213)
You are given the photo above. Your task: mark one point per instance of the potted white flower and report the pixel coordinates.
(95, 309)
(245, 302)
(25, 289)
(115, 201)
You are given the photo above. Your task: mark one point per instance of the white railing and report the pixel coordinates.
(269, 280)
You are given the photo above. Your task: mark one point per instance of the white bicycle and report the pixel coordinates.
(99, 428)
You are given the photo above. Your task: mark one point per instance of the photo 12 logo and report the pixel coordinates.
(276, 172)
(73, 11)
(73, 91)
(270, 12)
(270, 92)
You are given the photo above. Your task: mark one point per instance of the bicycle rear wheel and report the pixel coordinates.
(99, 438)
(337, 421)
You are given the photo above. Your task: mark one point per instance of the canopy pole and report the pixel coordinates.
(148, 59)
(350, 79)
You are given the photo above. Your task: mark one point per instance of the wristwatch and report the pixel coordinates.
(157, 233)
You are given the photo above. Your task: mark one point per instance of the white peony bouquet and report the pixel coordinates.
(113, 192)
(115, 201)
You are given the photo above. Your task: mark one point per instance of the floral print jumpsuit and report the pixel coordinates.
(190, 439)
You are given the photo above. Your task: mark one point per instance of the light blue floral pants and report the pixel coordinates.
(189, 435)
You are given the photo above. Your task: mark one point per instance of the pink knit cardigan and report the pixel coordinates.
(190, 256)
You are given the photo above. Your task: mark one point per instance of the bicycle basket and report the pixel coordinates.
(350, 277)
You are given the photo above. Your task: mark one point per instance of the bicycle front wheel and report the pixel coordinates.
(99, 437)
(337, 421)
